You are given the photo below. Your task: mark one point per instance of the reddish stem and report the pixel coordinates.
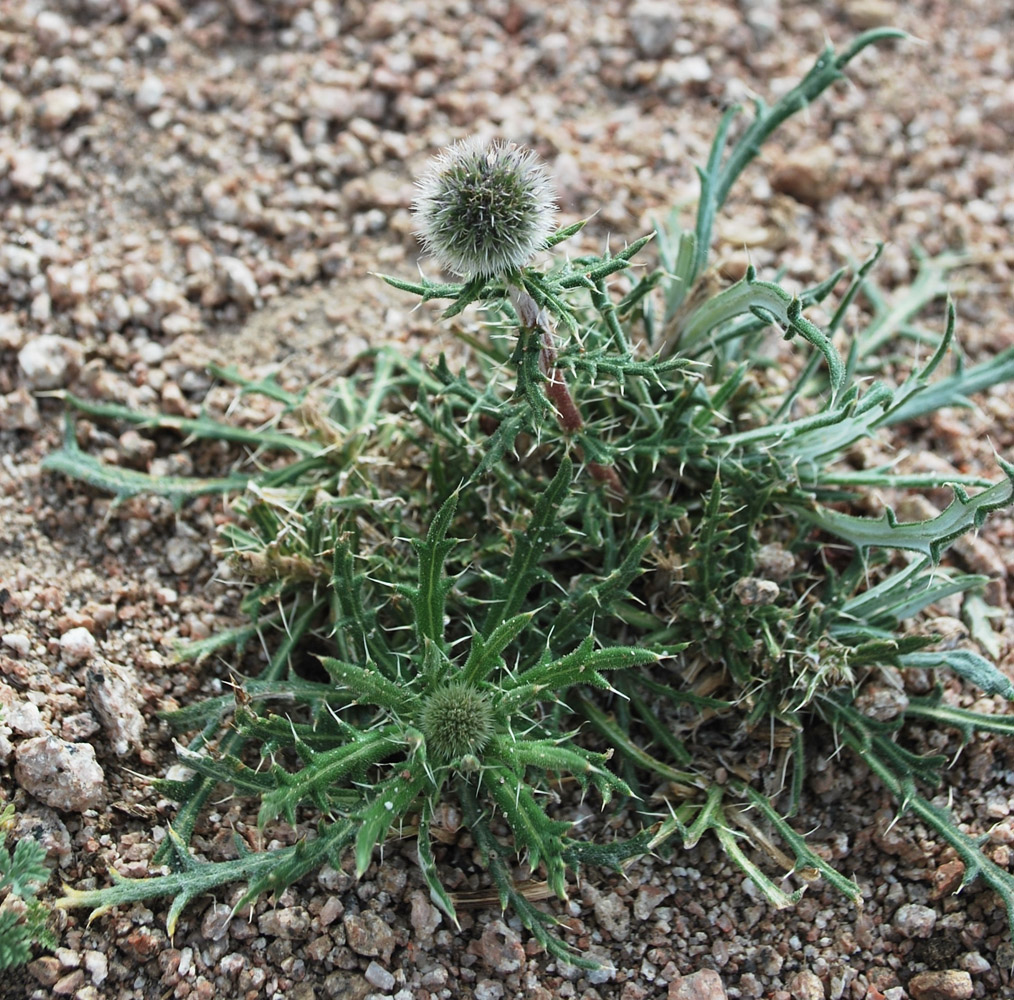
(556, 389)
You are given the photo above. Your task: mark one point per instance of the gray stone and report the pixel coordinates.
(914, 920)
(287, 922)
(44, 826)
(115, 697)
(23, 718)
(500, 948)
(378, 976)
(654, 26)
(183, 555)
(425, 917)
(487, 989)
(613, 915)
(240, 284)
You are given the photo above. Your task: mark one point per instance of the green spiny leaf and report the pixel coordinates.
(484, 656)
(532, 828)
(529, 547)
(929, 537)
(974, 668)
(392, 799)
(429, 597)
(368, 687)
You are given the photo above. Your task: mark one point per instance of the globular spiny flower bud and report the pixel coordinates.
(484, 209)
(457, 721)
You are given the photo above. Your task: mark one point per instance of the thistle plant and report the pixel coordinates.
(606, 534)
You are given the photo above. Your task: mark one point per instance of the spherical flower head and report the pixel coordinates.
(484, 209)
(457, 721)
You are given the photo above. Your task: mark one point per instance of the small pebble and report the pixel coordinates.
(287, 922)
(115, 697)
(752, 591)
(28, 169)
(377, 975)
(50, 361)
(53, 33)
(368, 935)
(58, 106)
(950, 984)
(183, 555)
(678, 73)
(775, 562)
(612, 913)
(240, 283)
(23, 718)
(61, 775)
(425, 917)
(914, 920)
(703, 985)
(500, 948)
(70, 983)
(44, 826)
(77, 645)
(648, 898)
(97, 966)
(46, 970)
(76, 728)
(805, 985)
(149, 94)
(654, 26)
(17, 642)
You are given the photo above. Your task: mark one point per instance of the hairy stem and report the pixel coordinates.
(557, 391)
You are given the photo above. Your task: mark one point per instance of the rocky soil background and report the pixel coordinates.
(185, 182)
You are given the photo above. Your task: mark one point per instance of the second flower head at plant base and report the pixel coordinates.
(485, 208)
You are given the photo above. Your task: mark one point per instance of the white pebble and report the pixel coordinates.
(49, 361)
(149, 94)
(18, 642)
(654, 25)
(58, 106)
(24, 719)
(240, 283)
(19, 261)
(680, 72)
(77, 645)
(28, 168)
(52, 30)
(97, 965)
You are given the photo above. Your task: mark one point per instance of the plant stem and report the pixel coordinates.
(557, 391)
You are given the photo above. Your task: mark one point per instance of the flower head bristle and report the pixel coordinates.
(484, 209)
(457, 721)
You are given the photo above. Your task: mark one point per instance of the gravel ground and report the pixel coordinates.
(213, 181)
